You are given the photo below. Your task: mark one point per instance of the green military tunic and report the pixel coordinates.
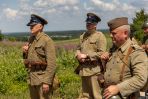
(135, 71)
(92, 44)
(145, 42)
(41, 49)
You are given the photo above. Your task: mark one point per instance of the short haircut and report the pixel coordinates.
(125, 27)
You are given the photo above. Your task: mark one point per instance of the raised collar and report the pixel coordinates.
(125, 46)
(91, 32)
(40, 34)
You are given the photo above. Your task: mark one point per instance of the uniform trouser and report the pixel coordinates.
(36, 92)
(90, 88)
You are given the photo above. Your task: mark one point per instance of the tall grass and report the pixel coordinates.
(13, 74)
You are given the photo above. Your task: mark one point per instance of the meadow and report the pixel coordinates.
(13, 74)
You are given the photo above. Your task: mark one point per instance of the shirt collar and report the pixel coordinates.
(125, 46)
(39, 35)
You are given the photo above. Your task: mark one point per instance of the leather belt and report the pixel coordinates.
(90, 63)
(37, 67)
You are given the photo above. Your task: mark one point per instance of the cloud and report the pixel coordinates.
(51, 10)
(10, 13)
(115, 5)
(87, 8)
(53, 3)
(76, 8)
(64, 2)
(103, 5)
(41, 3)
(142, 4)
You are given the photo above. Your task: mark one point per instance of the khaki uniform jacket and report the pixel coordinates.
(41, 48)
(93, 45)
(145, 42)
(135, 71)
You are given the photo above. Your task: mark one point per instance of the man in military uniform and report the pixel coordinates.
(39, 60)
(145, 39)
(126, 67)
(144, 91)
(92, 45)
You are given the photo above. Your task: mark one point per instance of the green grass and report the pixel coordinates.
(13, 74)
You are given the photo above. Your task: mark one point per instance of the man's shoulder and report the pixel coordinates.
(137, 49)
(99, 33)
(136, 46)
(46, 37)
(82, 34)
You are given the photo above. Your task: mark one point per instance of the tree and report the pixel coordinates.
(138, 21)
(1, 36)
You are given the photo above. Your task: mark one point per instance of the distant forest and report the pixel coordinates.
(55, 35)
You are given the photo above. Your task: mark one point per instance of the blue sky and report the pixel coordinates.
(64, 14)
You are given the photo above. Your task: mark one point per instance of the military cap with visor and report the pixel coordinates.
(117, 22)
(145, 25)
(35, 19)
(92, 18)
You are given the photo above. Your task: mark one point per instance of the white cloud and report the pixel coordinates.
(76, 8)
(103, 5)
(41, 3)
(10, 13)
(86, 7)
(66, 8)
(51, 10)
(115, 5)
(64, 2)
(59, 6)
(52, 3)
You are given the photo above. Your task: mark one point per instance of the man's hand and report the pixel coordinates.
(81, 57)
(45, 88)
(110, 91)
(144, 46)
(105, 56)
(25, 48)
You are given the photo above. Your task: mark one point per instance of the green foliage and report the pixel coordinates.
(138, 20)
(1, 36)
(66, 58)
(12, 39)
(70, 82)
(13, 74)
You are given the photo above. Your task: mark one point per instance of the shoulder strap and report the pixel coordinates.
(125, 62)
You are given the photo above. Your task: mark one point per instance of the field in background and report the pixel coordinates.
(13, 74)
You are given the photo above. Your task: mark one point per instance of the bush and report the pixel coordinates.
(13, 74)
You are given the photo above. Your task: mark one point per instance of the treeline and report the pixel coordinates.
(55, 35)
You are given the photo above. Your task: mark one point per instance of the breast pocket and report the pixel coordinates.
(93, 44)
(40, 50)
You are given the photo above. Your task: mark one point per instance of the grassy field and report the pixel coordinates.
(13, 74)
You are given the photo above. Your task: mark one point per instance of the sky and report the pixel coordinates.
(65, 14)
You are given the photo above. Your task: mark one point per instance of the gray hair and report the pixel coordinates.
(125, 27)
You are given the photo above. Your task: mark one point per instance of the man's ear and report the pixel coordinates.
(41, 26)
(126, 32)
